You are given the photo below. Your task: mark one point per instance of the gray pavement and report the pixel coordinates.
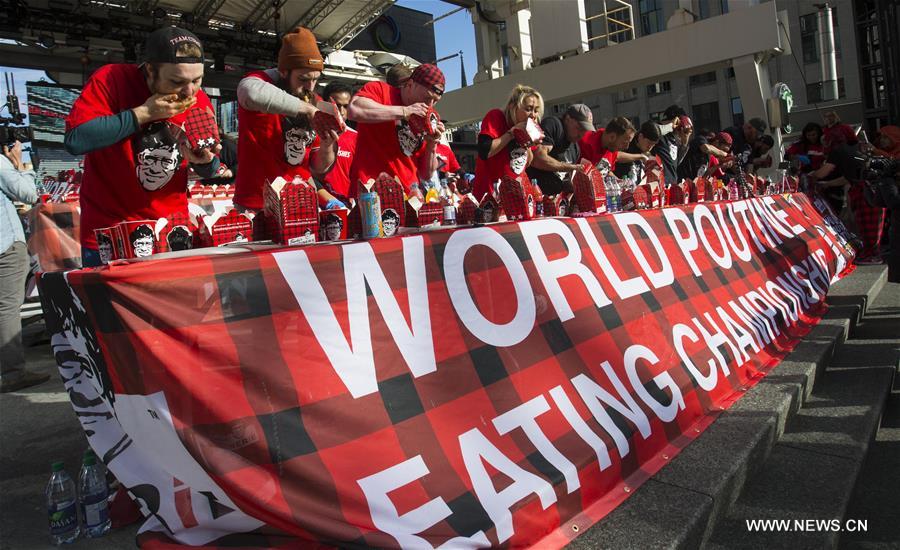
(37, 428)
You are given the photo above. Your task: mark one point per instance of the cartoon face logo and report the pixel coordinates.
(296, 142)
(673, 150)
(180, 238)
(104, 248)
(158, 157)
(157, 166)
(518, 157)
(488, 210)
(239, 238)
(142, 241)
(530, 206)
(433, 123)
(390, 221)
(333, 227)
(408, 140)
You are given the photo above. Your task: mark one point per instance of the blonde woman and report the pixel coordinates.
(498, 152)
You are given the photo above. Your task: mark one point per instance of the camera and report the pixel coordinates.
(11, 134)
(876, 168)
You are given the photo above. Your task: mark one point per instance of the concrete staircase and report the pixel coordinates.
(791, 449)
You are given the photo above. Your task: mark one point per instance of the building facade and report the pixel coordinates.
(712, 98)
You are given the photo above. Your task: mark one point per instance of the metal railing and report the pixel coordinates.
(618, 25)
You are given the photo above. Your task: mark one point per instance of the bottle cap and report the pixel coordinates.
(89, 458)
(57, 466)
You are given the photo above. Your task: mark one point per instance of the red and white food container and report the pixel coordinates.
(590, 192)
(328, 118)
(292, 211)
(531, 134)
(224, 228)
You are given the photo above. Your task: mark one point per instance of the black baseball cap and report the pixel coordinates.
(162, 46)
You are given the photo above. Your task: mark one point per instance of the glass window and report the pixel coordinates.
(874, 93)
(704, 78)
(737, 111)
(651, 16)
(814, 91)
(703, 8)
(658, 88)
(809, 36)
(706, 116)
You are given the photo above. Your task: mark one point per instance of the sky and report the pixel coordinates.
(451, 35)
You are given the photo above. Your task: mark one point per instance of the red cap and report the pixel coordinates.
(724, 137)
(428, 75)
(685, 121)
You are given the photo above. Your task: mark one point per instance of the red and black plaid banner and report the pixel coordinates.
(53, 235)
(479, 386)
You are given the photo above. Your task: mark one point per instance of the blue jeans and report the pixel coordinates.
(90, 257)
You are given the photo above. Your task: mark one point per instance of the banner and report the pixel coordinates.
(507, 384)
(53, 235)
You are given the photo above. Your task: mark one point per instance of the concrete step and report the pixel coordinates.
(698, 487)
(874, 498)
(857, 291)
(812, 470)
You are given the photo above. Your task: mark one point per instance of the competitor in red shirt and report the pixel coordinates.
(808, 150)
(337, 181)
(447, 163)
(275, 110)
(716, 168)
(128, 123)
(385, 142)
(498, 152)
(606, 146)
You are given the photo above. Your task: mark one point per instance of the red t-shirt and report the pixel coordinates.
(270, 146)
(142, 177)
(446, 159)
(511, 160)
(592, 148)
(384, 146)
(815, 152)
(339, 176)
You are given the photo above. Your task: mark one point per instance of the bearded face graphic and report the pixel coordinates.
(518, 157)
(158, 157)
(297, 140)
(408, 140)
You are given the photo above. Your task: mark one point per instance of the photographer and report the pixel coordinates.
(884, 192)
(843, 170)
(17, 184)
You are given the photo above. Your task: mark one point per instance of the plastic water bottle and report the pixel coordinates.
(62, 506)
(93, 492)
(609, 182)
(732, 190)
(617, 195)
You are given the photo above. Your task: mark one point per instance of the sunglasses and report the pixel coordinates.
(433, 89)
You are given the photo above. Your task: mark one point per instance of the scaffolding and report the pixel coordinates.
(616, 24)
